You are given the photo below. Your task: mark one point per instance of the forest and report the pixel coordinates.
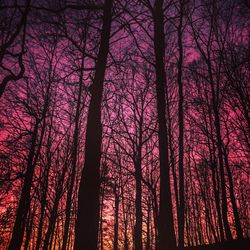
(124, 124)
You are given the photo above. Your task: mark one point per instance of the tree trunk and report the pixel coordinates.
(138, 206)
(232, 197)
(214, 168)
(166, 222)
(181, 207)
(116, 226)
(102, 193)
(42, 211)
(125, 220)
(54, 212)
(88, 199)
(220, 153)
(74, 160)
(29, 228)
(148, 242)
(44, 188)
(138, 200)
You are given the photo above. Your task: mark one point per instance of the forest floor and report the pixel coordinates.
(227, 245)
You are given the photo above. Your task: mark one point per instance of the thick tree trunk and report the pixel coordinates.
(166, 223)
(88, 199)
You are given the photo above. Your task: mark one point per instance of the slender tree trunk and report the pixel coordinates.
(87, 223)
(138, 212)
(74, 160)
(148, 242)
(51, 227)
(116, 226)
(203, 188)
(220, 154)
(126, 244)
(181, 207)
(44, 189)
(166, 222)
(125, 220)
(213, 160)
(223, 183)
(138, 201)
(42, 211)
(156, 218)
(102, 192)
(29, 228)
(52, 222)
(172, 156)
(188, 182)
(232, 197)
(213, 163)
